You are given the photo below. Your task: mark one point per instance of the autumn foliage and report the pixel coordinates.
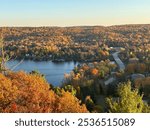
(8, 92)
(74, 104)
(94, 71)
(21, 92)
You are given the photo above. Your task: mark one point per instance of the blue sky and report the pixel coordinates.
(73, 12)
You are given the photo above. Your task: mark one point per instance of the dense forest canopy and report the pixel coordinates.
(73, 43)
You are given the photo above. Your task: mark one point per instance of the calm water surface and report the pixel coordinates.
(54, 72)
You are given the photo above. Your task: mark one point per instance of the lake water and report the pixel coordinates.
(54, 72)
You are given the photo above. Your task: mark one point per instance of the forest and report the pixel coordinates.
(99, 84)
(75, 43)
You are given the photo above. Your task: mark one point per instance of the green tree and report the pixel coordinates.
(102, 74)
(70, 89)
(129, 101)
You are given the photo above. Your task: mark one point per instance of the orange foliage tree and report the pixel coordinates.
(33, 94)
(21, 92)
(68, 103)
(94, 71)
(8, 92)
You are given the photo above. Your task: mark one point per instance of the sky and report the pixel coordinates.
(73, 12)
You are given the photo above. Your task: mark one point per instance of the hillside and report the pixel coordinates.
(73, 43)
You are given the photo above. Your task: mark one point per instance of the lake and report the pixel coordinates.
(54, 72)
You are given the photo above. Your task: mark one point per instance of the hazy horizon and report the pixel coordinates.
(76, 25)
(67, 13)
